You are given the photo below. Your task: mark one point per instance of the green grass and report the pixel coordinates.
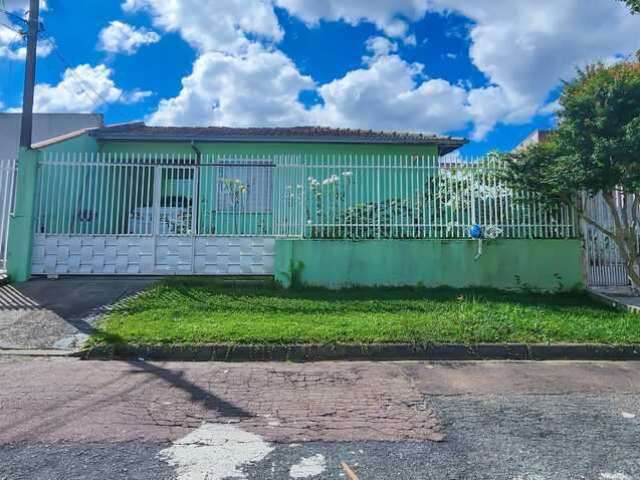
(205, 311)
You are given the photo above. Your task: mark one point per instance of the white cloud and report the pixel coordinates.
(258, 88)
(21, 5)
(221, 27)
(120, 37)
(379, 47)
(389, 94)
(525, 50)
(390, 16)
(12, 44)
(82, 89)
(262, 88)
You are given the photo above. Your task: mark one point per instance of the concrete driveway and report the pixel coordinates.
(59, 314)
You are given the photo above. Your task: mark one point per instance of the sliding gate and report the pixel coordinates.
(158, 215)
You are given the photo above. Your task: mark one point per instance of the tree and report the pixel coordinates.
(595, 150)
(634, 5)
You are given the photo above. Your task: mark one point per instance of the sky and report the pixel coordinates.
(487, 70)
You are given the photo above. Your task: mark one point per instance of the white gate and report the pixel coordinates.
(604, 264)
(154, 215)
(7, 198)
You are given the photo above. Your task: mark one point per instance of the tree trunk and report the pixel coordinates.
(625, 232)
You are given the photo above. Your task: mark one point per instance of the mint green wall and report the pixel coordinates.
(62, 200)
(82, 143)
(257, 149)
(545, 265)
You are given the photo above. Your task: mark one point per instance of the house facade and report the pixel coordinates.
(309, 206)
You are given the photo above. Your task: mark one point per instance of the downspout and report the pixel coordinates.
(196, 193)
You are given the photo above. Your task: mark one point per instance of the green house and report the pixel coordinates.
(317, 206)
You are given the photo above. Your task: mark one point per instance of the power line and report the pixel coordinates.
(71, 70)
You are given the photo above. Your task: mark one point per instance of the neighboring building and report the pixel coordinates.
(537, 136)
(45, 126)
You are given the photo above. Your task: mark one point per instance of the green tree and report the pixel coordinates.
(595, 150)
(634, 5)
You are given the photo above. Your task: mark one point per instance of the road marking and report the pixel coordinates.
(614, 476)
(215, 452)
(308, 467)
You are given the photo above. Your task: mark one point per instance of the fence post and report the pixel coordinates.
(21, 223)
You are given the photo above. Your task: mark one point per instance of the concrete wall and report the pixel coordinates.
(543, 265)
(45, 126)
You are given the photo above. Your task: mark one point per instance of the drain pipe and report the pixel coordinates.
(195, 204)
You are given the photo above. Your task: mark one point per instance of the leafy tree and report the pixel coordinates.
(634, 5)
(595, 150)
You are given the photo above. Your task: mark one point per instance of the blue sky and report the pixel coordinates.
(488, 70)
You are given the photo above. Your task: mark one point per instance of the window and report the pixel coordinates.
(245, 187)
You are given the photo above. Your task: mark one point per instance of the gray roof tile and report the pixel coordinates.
(142, 132)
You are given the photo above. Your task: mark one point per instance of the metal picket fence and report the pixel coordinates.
(7, 197)
(292, 196)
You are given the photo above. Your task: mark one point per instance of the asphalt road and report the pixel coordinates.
(515, 421)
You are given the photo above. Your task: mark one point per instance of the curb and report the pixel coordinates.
(37, 353)
(374, 352)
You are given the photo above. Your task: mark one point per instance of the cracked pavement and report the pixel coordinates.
(67, 419)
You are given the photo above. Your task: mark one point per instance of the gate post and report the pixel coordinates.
(21, 223)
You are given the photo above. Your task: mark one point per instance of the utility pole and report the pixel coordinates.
(30, 75)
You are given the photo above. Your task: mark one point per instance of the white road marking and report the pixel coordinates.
(309, 467)
(614, 476)
(215, 452)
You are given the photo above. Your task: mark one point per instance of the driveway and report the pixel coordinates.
(59, 314)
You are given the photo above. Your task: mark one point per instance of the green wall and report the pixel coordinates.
(544, 265)
(266, 148)
(62, 197)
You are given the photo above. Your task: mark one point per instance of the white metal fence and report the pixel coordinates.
(7, 196)
(310, 196)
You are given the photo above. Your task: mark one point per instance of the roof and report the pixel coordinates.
(62, 138)
(142, 132)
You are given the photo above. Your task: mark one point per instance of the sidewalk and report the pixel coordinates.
(622, 298)
(58, 314)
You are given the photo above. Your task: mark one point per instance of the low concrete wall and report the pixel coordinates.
(543, 265)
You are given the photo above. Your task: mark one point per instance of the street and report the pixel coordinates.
(69, 419)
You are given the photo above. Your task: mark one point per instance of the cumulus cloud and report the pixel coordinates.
(379, 47)
(260, 87)
(390, 16)
(389, 94)
(120, 37)
(82, 89)
(21, 5)
(525, 50)
(223, 27)
(12, 44)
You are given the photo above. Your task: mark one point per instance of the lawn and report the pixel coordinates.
(207, 311)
